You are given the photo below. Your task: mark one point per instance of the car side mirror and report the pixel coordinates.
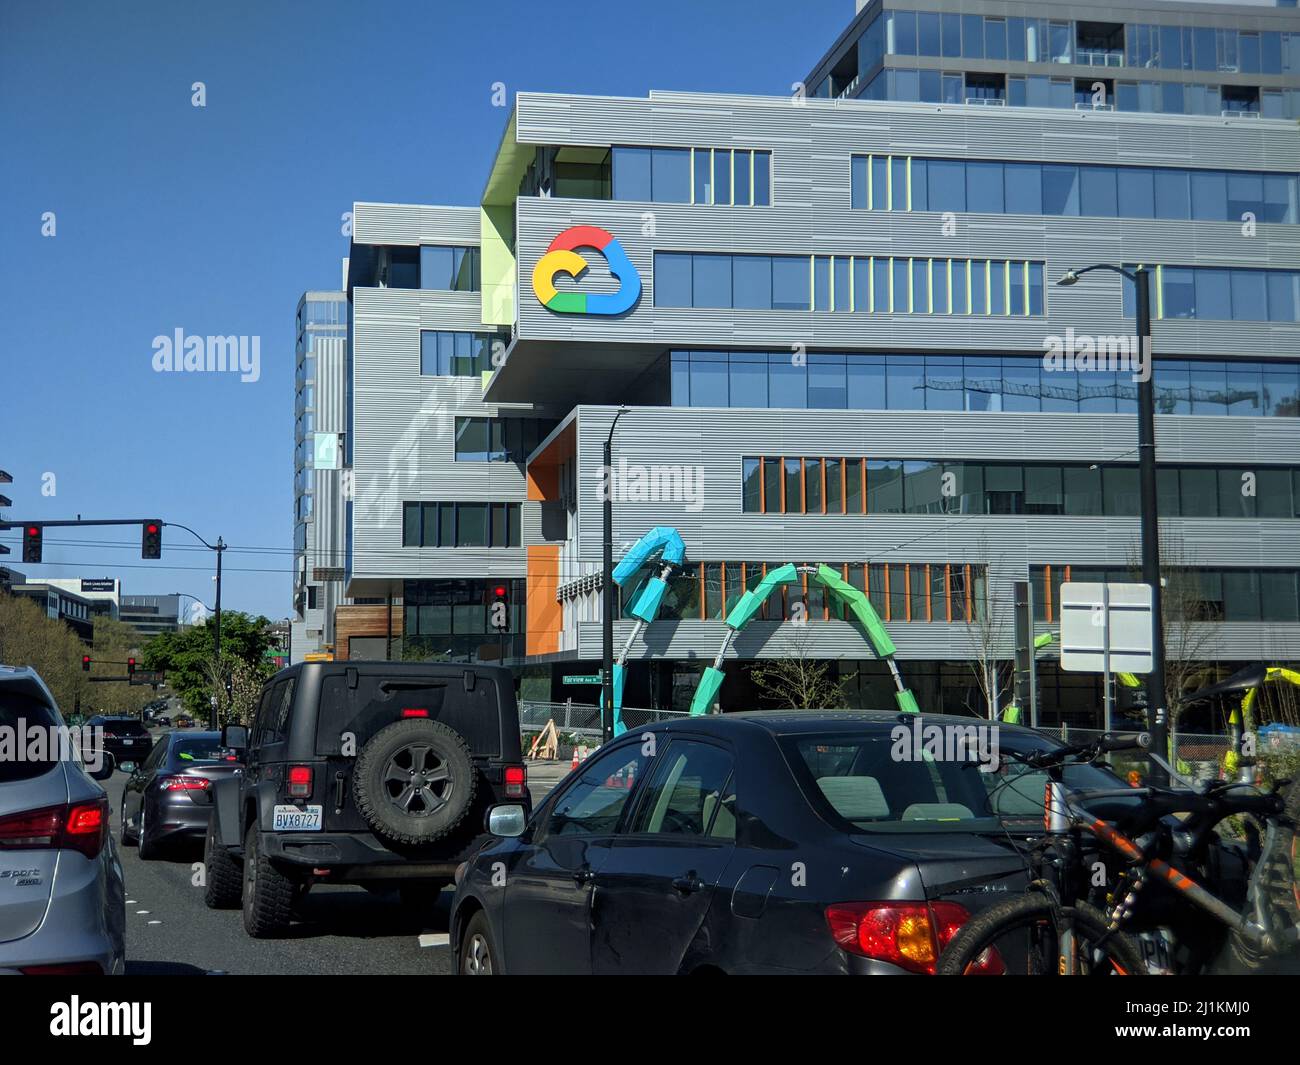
(507, 821)
(235, 737)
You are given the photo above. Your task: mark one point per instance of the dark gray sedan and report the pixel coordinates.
(169, 795)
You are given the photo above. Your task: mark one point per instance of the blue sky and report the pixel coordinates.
(214, 220)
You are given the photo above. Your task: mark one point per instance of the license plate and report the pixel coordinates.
(127, 743)
(297, 819)
(1157, 951)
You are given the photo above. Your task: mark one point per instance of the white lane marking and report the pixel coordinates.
(130, 902)
(435, 939)
(153, 922)
(142, 911)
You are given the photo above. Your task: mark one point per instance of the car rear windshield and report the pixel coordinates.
(872, 783)
(28, 744)
(198, 752)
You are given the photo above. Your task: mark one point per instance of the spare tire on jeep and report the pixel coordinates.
(414, 781)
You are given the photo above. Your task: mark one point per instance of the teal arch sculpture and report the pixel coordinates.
(855, 601)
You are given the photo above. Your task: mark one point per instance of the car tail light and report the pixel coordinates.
(414, 711)
(910, 935)
(300, 781)
(184, 784)
(71, 968)
(516, 781)
(80, 827)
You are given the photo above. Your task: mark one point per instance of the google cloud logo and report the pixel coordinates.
(560, 258)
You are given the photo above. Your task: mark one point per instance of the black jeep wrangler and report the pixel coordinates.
(370, 773)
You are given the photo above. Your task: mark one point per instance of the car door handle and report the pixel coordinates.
(583, 875)
(687, 884)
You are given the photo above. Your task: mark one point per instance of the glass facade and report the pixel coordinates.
(911, 183)
(449, 619)
(449, 268)
(845, 485)
(1210, 594)
(1224, 294)
(499, 439)
(860, 284)
(851, 381)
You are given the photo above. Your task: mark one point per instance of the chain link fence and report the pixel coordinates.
(1197, 755)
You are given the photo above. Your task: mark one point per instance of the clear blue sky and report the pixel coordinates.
(215, 220)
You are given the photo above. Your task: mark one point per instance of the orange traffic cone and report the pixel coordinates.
(574, 765)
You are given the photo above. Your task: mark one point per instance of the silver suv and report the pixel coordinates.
(62, 898)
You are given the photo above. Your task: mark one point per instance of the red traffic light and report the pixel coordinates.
(33, 530)
(499, 591)
(151, 539)
(85, 663)
(33, 535)
(130, 666)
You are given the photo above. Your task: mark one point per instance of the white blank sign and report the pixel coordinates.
(1097, 617)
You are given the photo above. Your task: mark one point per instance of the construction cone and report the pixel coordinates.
(574, 765)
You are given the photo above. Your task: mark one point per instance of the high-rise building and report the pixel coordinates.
(834, 323)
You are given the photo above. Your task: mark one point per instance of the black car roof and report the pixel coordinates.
(797, 722)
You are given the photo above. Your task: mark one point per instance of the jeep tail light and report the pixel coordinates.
(300, 781)
(516, 781)
(414, 711)
(910, 935)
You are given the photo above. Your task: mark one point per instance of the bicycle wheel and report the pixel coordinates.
(1019, 937)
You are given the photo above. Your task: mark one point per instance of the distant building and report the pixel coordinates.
(150, 615)
(74, 610)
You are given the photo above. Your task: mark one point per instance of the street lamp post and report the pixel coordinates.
(607, 589)
(219, 547)
(1157, 698)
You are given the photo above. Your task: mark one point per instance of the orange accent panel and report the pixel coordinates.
(545, 617)
(543, 472)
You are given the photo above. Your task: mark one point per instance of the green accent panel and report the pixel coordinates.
(485, 377)
(746, 607)
(1011, 715)
(568, 303)
(748, 604)
(705, 693)
(861, 607)
(1043, 640)
(907, 702)
(497, 263)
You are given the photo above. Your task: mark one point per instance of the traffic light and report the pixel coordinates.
(85, 663)
(499, 608)
(151, 539)
(32, 535)
(130, 667)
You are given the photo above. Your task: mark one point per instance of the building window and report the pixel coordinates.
(450, 268)
(499, 439)
(446, 353)
(1208, 594)
(1237, 294)
(460, 524)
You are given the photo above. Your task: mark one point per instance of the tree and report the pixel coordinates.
(187, 658)
(30, 637)
(113, 643)
(988, 634)
(797, 681)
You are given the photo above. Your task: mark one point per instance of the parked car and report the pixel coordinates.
(370, 773)
(162, 721)
(772, 842)
(62, 896)
(125, 738)
(168, 797)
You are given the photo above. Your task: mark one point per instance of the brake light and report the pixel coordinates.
(71, 968)
(300, 781)
(80, 827)
(910, 935)
(516, 781)
(184, 784)
(414, 711)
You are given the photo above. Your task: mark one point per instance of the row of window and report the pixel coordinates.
(820, 485)
(447, 353)
(829, 381)
(457, 607)
(460, 524)
(499, 439)
(908, 183)
(1037, 40)
(848, 283)
(1206, 292)
(1040, 90)
(899, 591)
(739, 177)
(1202, 594)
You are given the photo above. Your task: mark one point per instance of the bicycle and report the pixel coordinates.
(1056, 927)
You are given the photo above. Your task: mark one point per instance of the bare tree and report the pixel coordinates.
(988, 636)
(798, 680)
